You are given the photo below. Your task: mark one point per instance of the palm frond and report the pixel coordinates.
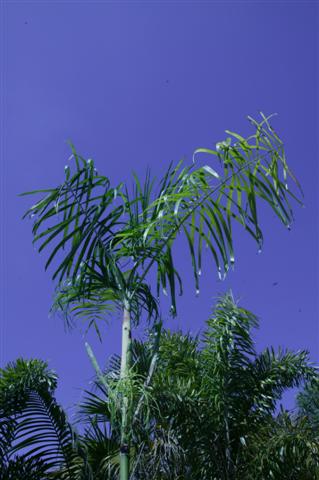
(81, 214)
(102, 451)
(41, 431)
(308, 402)
(23, 469)
(274, 372)
(284, 448)
(203, 203)
(99, 291)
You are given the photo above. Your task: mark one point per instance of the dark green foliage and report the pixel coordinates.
(285, 447)
(308, 402)
(20, 468)
(209, 409)
(200, 408)
(34, 423)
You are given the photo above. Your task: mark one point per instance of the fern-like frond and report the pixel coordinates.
(41, 431)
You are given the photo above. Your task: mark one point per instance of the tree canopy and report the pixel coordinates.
(203, 407)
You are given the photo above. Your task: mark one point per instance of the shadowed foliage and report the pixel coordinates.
(200, 408)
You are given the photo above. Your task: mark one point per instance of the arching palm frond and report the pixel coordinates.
(308, 402)
(274, 372)
(16, 380)
(101, 453)
(77, 218)
(41, 431)
(93, 298)
(202, 204)
(92, 306)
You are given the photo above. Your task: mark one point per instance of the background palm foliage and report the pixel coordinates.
(104, 240)
(308, 402)
(201, 408)
(286, 447)
(33, 421)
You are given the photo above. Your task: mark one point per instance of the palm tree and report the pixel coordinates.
(111, 239)
(208, 411)
(210, 407)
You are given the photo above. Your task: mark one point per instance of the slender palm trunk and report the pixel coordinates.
(125, 366)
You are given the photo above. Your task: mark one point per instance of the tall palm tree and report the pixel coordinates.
(108, 240)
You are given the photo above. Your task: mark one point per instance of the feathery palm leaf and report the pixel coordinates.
(283, 448)
(96, 231)
(202, 204)
(40, 430)
(242, 387)
(308, 402)
(274, 372)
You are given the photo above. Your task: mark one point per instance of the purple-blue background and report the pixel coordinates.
(137, 84)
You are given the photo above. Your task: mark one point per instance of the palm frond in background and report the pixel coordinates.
(39, 427)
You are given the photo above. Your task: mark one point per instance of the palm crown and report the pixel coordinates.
(106, 239)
